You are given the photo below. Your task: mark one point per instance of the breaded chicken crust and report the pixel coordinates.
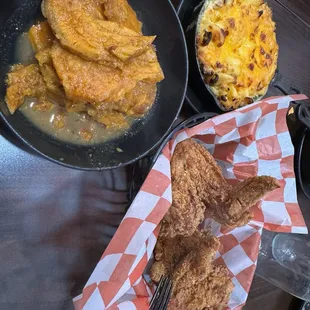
(197, 283)
(198, 186)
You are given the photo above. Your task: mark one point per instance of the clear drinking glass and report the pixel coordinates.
(284, 259)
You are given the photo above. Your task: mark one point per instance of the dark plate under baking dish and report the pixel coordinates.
(158, 17)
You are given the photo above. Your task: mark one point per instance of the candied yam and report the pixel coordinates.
(121, 12)
(27, 81)
(41, 36)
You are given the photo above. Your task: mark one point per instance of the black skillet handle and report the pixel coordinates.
(303, 115)
(302, 112)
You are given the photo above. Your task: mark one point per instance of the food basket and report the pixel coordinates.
(120, 277)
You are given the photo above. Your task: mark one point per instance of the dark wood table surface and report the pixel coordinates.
(43, 273)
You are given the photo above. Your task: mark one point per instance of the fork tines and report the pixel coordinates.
(162, 294)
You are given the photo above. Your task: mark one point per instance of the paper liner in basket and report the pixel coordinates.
(253, 140)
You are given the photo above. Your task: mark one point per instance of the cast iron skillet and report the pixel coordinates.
(199, 95)
(301, 140)
(302, 149)
(158, 17)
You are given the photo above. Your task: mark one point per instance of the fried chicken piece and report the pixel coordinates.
(235, 211)
(198, 185)
(22, 82)
(95, 39)
(196, 181)
(170, 251)
(197, 283)
(121, 12)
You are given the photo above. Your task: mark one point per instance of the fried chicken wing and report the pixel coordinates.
(196, 181)
(200, 285)
(235, 211)
(170, 251)
(183, 252)
(198, 185)
(197, 283)
(95, 39)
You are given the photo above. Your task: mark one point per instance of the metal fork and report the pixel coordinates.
(162, 294)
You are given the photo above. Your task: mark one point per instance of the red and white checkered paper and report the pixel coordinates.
(251, 141)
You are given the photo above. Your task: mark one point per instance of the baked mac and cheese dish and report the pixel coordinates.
(237, 50)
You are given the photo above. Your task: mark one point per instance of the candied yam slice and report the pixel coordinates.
(41, 36)
(26, 81)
